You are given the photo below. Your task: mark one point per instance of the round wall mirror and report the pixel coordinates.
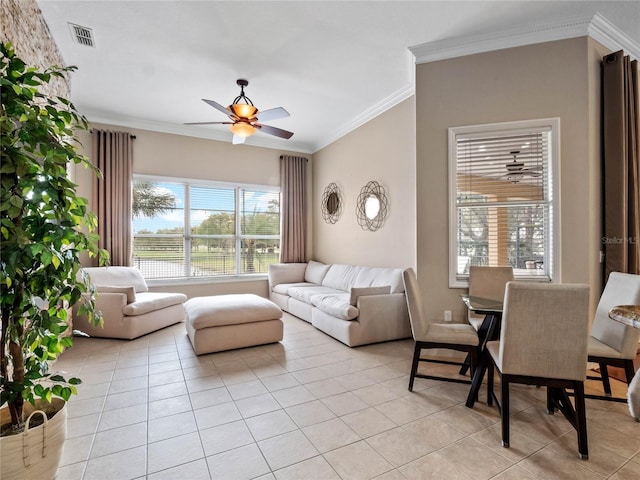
(331, 203)
(371, 208)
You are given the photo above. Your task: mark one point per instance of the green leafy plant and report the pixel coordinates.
(41, 236)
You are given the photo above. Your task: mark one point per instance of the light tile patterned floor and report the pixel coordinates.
(311, 408)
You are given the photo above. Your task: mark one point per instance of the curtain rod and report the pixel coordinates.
(132, 136)
(292, 156)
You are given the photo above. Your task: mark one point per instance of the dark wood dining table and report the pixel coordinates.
(489, 330)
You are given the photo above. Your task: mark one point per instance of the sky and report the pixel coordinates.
(205, 201)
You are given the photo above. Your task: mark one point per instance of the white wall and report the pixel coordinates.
(382, 150)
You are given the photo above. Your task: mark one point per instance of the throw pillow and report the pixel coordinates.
(130, 292)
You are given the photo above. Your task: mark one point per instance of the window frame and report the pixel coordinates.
(187, 236)
(553, 234)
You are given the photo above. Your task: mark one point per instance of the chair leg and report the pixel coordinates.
(490, 374)
(604, 373)
(581, 421)
(414, 365)
(465, 365)
(504, 410)
(551, 407)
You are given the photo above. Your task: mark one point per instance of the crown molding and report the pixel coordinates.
(605, 32)
(95, 116)
(382, 106)
(366, 116)
(597, 27)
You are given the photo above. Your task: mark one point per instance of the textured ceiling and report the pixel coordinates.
(331, 64)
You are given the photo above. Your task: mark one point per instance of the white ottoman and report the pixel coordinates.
(225, 322)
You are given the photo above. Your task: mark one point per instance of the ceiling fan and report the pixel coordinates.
(516, 169)
(245, 117)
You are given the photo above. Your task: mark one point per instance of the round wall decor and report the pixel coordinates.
(372, 206)
(331, 203)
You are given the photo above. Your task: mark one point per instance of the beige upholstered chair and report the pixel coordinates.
(128, 308)
(427, 335)
(487, 282)
(543, 342)
(611, 342)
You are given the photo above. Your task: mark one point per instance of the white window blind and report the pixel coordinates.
(502, 203)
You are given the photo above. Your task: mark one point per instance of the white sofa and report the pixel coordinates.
(128, 308)
(354, 304)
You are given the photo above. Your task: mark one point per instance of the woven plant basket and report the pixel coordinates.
(36, 452)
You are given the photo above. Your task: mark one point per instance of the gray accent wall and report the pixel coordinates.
(554, 79)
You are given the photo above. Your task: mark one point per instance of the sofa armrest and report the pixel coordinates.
(384, 316)
(357, 292)
(286, 273)
(110, 305)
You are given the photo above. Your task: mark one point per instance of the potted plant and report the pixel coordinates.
(41, 240)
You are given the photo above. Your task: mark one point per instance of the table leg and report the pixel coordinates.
(476, 381)
(482, 335)
(493, 329)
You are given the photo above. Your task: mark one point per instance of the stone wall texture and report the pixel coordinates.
(22, 24)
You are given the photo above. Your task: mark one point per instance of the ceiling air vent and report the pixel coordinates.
(82, 35)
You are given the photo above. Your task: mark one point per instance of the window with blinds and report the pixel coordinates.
(501, 204)
(230, 229)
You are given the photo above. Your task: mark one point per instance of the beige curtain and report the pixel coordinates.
(621, 170)
(293, 211)
(112, 153)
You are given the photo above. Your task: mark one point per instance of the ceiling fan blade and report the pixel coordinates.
(237, 140)
(217, 106)
(278, 132)
(272, 114)
(209, 123)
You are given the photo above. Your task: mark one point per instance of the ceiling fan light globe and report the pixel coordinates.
(243, 110)
(242, 129)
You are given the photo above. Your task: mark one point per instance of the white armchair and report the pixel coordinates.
(129, 310)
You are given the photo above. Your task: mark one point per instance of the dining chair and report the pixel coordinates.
(430, 335)
(612, 343)
(543, 342)
(487, 282)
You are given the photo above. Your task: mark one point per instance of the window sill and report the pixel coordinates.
(166, 282)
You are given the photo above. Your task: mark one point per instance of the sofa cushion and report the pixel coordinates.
(286, 273)
(283, 288)
(364, 291)
(304, 294)
(130, 292)
(380, 276)
(315, 272)
(150, 301)
(336, 305)
(342, 277)
(117, 277)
